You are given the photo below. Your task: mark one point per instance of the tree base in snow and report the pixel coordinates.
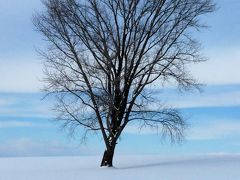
(107, 159)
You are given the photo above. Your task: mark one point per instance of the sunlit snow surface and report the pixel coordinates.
(211, 167)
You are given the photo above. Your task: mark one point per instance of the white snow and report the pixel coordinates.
(208, 167)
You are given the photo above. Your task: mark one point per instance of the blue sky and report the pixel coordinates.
(26, 122)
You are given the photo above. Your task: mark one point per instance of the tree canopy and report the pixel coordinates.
(104, 55)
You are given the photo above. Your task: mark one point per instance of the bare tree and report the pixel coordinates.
(104, 55)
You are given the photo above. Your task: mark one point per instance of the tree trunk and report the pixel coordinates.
(107, 159)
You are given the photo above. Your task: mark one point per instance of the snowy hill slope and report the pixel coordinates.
(214, 167)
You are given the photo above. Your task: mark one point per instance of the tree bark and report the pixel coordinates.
(107, 159)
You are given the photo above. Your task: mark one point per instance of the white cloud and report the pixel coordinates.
(221, 68)
(13, 124)
(209, 130)
(19, 67)
(29, 147)
(23, 75)
(19, 124)
(36, 110)
(3, 102)
(25, 105)
(20, 75)
(223, 99)
(215, 130)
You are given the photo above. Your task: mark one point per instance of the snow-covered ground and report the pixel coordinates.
(211, 167)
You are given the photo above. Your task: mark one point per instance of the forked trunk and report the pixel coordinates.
(107, 159)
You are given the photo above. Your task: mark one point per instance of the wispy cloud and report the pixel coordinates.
(20, 75)
(30, 147)
(25, 105)
(3, 102)
(221, 68)
(215, 130)
(20, 124)
(19, 65)
(217, 99)
(209, 130)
